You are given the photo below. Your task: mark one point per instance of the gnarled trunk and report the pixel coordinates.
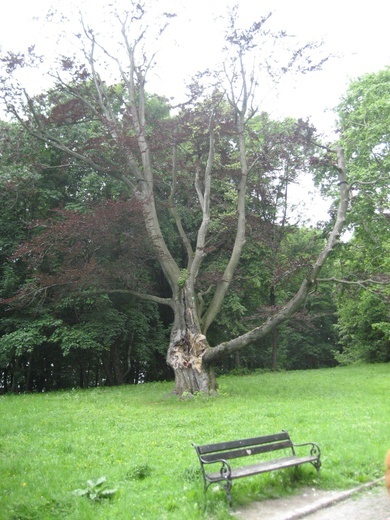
(187, 347)
(185, 356)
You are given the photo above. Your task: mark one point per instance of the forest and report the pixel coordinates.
(142, 241)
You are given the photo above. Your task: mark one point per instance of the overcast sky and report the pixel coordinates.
(356, 31)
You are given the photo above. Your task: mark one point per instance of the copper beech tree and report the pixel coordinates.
(187, 164)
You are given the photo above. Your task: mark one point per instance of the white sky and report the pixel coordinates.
(357, 31)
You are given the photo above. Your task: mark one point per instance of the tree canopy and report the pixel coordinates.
(363, 316)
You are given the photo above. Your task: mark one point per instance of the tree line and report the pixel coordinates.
(143, 243)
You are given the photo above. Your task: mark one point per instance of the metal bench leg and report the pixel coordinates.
(228, 487)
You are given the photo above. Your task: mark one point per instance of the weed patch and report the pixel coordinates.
(139, 471)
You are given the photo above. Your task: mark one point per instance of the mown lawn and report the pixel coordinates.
(139, 438)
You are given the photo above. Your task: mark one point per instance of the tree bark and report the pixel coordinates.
(187, 348)
(107, 368)
(275, 334)
(275, 345)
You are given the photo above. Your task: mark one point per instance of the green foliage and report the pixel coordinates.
(29, 335)
(111, 342)
(21, 341)
(363, 323)
(364, 117)
(96, 490)
(363, 316)
(75, 338)
(99, 325)
(183, 277)
(140, 437)
(268, 275)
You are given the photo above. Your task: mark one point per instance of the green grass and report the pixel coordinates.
(139, 438)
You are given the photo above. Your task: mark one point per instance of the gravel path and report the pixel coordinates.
(368, 502)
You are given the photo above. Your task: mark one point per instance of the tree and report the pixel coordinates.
(103, 340)
(50, 338)
(363, 266)
(207, 144)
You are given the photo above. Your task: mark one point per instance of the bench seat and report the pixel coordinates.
(222, 454)
(263, 467)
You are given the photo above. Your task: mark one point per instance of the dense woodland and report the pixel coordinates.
(86, 293)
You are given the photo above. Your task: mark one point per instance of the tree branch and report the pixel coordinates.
(354, 282)
(205, 204)
(141, 296)
(213, 354)
(44, 136)
(239, 241)
(173, 210)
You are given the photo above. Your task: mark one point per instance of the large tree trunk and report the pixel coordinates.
(187, 348)
(185, 357)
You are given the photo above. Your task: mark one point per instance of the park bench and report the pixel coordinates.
(221, 455)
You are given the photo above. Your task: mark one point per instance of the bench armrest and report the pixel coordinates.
(225, 470)
(314, 450)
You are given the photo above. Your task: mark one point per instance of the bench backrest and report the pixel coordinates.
(244, 447)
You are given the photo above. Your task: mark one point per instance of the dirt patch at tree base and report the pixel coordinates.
(368, 502)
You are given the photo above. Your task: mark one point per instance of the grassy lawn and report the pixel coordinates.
(139, 438)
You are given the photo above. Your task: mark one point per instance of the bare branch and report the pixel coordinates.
(307, 285)
(173, 209)
(205, 199)
(239, 241)
(362, 283)
(141, 296)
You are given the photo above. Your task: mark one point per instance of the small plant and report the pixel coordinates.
(96, 490)
(139, 471)
(183, 277)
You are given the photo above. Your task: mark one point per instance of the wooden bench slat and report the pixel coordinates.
(222, 446)
(244, 452)
(263, 467)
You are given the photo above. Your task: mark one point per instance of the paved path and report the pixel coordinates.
(368, 502)
(368, 505)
